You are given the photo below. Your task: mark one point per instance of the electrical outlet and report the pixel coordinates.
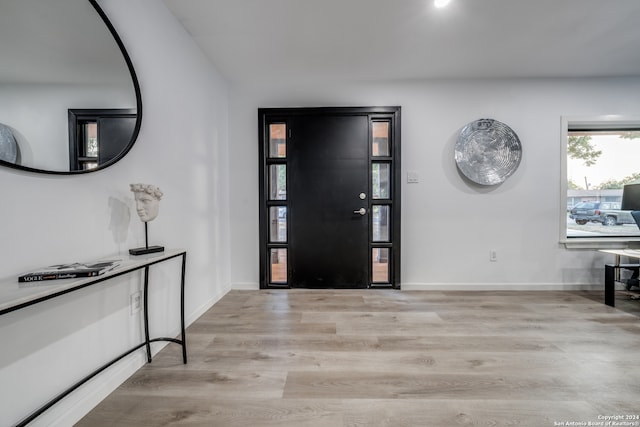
(493, 255)
(135, 302)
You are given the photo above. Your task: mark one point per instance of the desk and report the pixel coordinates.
(610, 271)
(13, 297)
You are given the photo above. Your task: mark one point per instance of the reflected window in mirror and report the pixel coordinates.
(88, 158)
(98, 137)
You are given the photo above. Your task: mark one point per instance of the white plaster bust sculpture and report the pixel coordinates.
(147, 204)
(147, 198)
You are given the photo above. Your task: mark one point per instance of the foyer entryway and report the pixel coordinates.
(330, 199)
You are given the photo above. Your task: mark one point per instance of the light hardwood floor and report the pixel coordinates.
(390, 358)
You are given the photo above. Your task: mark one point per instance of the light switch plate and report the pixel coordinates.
(412, 177)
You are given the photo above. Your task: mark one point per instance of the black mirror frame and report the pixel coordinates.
(136, 87)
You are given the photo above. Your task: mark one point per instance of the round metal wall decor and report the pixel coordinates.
(8, 144)
(487, 151)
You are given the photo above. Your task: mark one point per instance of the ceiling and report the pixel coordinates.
(373, 40)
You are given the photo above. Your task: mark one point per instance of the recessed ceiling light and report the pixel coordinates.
(441, 3)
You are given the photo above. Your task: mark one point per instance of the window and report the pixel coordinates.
(600, 156)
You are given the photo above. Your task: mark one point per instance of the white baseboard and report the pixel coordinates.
(472, 286)
(72, 408)
(501, 287)
(192, 317)
(79, 403)
(245, 286)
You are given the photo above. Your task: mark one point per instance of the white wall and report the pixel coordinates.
(448, 226)
(182, 148)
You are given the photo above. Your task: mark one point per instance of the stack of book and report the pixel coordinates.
(70, 271)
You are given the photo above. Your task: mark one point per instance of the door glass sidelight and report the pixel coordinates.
(380, 223)
(277, 140)
(278, 224)
(380, 141)
(278, 182)
(278, 262)
(380, 265)
(384, 235)
(380, 182)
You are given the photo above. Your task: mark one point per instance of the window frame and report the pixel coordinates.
(597, 122)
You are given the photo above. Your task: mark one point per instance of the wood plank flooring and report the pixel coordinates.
(390, 358)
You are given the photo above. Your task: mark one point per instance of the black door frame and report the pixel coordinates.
(78, 116)
(268, 116)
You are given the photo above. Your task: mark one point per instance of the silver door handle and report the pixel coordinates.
(361, 211)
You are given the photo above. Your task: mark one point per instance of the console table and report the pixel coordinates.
(610, 271)
(14, 297)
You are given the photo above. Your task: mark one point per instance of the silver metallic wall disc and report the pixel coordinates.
(487, 151)
(8, 145)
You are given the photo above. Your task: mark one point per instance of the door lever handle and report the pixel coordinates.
(361, 211)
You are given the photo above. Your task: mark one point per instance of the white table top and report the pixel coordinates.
(13, 295)
(632, 253)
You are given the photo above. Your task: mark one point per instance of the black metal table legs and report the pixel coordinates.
(610, 284)
(147, 341)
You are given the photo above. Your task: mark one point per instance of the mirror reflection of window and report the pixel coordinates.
(91, 139)
(88, 158)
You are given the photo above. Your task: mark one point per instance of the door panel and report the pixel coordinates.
(117, 131)
(328, 169)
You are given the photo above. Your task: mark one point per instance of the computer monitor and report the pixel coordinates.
(631, 201)
(631, 197)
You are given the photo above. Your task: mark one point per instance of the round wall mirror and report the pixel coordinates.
(69, 97)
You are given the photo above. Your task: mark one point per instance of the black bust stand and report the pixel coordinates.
(147, 249)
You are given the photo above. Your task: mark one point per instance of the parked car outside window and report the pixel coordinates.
(605, 213)
(611, 214)
(584, 212)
